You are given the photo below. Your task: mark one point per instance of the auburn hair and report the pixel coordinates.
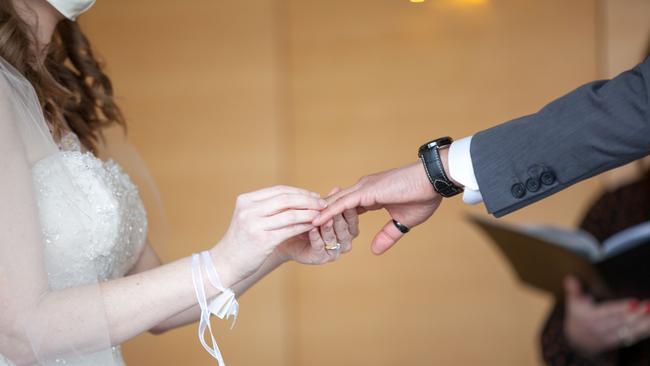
(70, 82)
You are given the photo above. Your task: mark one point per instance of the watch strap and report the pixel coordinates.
(430, 155)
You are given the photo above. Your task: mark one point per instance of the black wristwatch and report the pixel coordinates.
(429, 153)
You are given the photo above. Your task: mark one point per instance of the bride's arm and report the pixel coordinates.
(306, 249)
(149, 260)
(34, 317)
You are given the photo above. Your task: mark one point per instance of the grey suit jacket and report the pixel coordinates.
(597, 127)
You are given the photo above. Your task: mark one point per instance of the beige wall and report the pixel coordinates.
(370, 82)
(224, 97)
(198, 81)
(626, 31)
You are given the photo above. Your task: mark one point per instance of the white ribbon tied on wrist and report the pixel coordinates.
(223, 306)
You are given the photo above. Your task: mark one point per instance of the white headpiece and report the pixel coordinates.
(71, 9)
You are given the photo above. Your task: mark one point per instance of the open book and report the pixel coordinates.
(542, 256)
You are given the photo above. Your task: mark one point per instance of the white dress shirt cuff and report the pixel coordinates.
(462, 171)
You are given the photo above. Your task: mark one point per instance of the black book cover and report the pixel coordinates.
(543, 260)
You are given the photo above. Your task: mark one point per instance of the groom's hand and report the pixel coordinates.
(405, 193)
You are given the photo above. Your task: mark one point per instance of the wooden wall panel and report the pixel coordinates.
(198, 82)
(371, 81)
(626, 32)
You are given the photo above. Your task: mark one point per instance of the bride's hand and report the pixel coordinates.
(262, 220)
(309, 248)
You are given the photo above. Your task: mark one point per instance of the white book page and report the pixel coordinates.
(627, 239)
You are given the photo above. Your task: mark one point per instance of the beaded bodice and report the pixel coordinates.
(93, 220)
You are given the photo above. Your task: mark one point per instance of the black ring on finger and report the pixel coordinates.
(401, 227)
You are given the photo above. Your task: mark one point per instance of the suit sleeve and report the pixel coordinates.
(597, 127)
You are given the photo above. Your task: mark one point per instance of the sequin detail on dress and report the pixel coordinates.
(93, 220)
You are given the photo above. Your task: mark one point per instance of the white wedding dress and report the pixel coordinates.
(96, 234)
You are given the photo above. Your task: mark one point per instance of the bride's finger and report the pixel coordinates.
(286, 201)
(316, 240)
(327, 232)
(342, 233)
(291, 231)
(288, 218)
(265, 193)
(352, 218)
(329, 236)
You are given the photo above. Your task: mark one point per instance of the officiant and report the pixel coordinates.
(582, 331)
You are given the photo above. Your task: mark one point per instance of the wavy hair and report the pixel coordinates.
(70, 82)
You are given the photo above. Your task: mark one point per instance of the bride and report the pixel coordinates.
(77, 274)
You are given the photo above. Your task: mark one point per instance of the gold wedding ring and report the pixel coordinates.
(333, 246)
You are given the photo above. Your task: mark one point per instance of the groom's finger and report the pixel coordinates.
(337, 193)
(343, 203)
(334, 191)
(386, 238)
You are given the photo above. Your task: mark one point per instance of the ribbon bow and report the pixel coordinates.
(224, 306)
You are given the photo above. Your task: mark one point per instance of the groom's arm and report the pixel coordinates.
(597, 127)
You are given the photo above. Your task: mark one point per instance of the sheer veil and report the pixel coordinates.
(41, 322)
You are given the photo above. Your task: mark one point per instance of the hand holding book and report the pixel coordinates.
(593, 328)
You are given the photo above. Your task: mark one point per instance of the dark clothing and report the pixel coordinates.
(597, 127)
(613, 212)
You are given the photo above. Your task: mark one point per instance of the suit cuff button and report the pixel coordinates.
(548, 178)
(518, 190)
(533, 185)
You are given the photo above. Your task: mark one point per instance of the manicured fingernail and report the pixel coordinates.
(323, 203)
(633, 304)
